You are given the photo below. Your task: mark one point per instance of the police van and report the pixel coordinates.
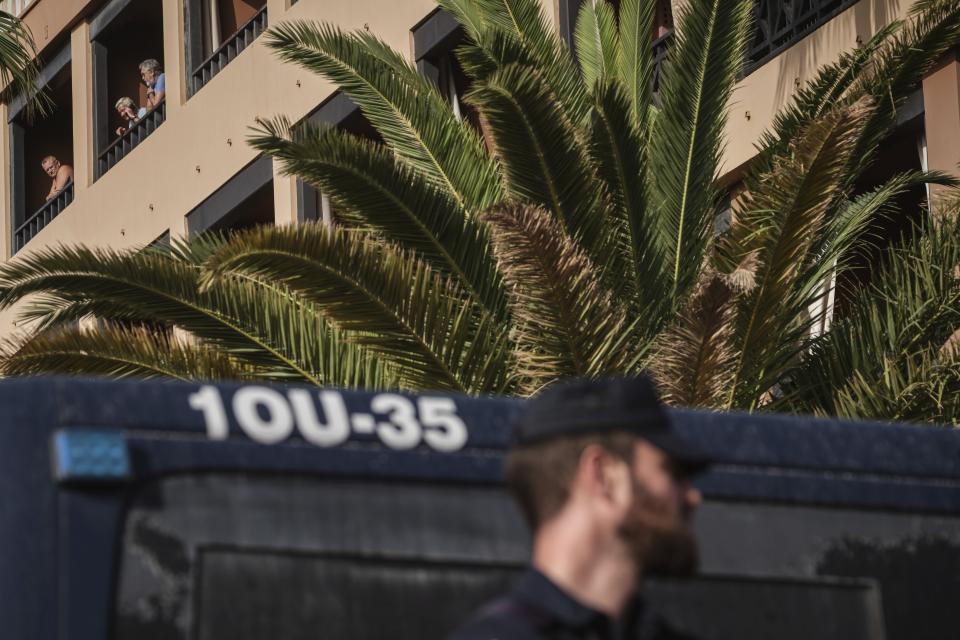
(133, 510)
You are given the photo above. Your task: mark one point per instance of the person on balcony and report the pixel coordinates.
(62, 174)
(156, 82)
(127, 109)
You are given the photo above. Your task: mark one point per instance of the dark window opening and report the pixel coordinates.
(33, 203)
(216, 32)
(133, 35)
(243, 202)
(341, 112)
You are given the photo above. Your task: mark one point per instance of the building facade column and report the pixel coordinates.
(81, 79)
(941, 119)
(6, 214)
(284, 197)
(174, 56)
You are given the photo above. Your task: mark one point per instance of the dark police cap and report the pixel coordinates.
(631, 404)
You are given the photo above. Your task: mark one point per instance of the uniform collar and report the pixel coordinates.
(537, 589)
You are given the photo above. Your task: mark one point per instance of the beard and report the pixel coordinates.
(659, 537)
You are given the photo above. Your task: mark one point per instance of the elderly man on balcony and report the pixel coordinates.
(61, 174)
(155, 80)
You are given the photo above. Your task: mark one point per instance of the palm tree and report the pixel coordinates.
(19, 70)
(574, 236)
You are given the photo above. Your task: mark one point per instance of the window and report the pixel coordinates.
(244, 201)
(33, 202)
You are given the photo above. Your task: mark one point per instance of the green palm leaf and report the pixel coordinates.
(118, 352)
(598, 42)
(901, 321)
(19, 69)
(373, 190)
(406, 108)
(698, 78)
(544, 160)
(260, 325)
(618, 149)
(636, 62)
(389, 301)
(776, 228)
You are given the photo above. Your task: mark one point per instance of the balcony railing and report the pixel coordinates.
(779, 24)
(131, 138)
(42, 217)
(229, 50)
(660, 46)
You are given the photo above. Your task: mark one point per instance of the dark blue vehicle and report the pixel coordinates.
(177, 511)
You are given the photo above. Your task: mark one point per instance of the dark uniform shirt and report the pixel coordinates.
(537, 609)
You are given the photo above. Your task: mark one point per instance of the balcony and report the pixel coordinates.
(32, 141)
(778, 25)
(131, 138)
(121, 37)
(223, 54)
(42, 217)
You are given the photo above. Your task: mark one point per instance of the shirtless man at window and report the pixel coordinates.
(61, 174)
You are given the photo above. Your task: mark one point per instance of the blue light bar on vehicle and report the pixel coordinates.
(90, 455)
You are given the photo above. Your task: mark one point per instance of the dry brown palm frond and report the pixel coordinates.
(694, 359)
(566, 322)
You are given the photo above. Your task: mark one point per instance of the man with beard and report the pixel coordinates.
(604, 482)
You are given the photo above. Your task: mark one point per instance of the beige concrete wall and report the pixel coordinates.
(761, 94)
(941, 98)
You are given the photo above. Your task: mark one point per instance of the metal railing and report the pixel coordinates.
(229, 50)
(131, 138)
(660, 46)
(42, 217)
(779, 24)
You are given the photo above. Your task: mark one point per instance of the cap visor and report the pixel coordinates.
(686, 454)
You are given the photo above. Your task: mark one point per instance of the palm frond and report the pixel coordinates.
(636, 62)
(516, 32)
(543, 158)
(777, 227)
(19, 69)
(694, 359)
(568, 323)
(118, 352)
(372, 190)
(387, 300)
(907, 313)
(406, 108)
(597, 42)
(618, 149)
(698, 78)
(255, 323)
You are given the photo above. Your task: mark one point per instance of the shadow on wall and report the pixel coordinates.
(803, 62)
